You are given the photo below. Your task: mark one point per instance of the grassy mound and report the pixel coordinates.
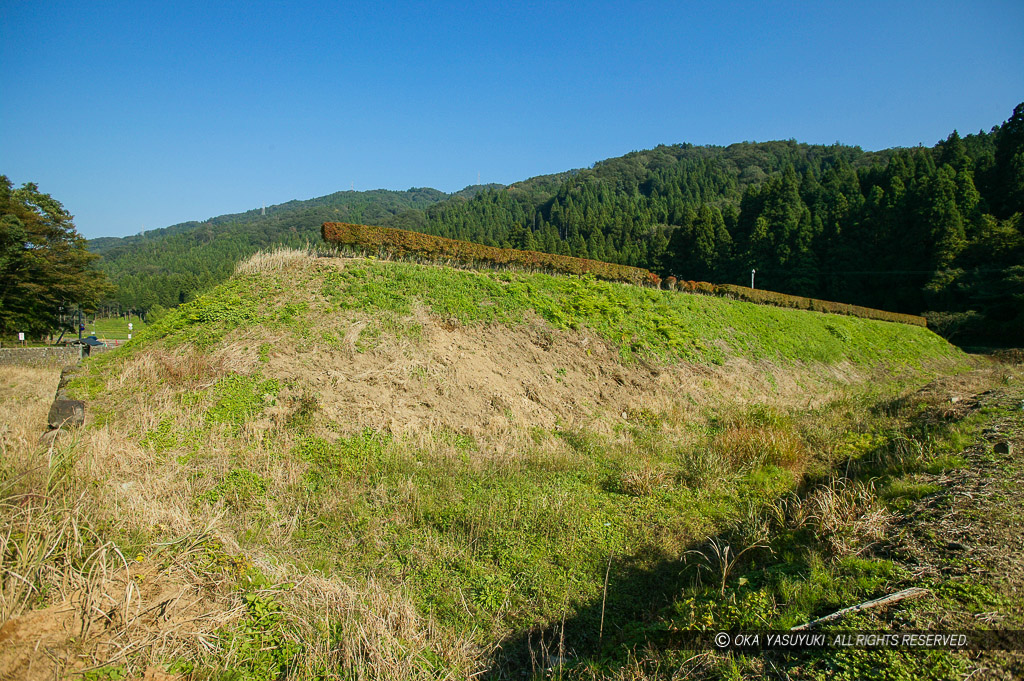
(398, 467)
(647, 322)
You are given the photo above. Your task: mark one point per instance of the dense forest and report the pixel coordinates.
(934, 230)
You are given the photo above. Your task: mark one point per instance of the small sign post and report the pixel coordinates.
(21, 337)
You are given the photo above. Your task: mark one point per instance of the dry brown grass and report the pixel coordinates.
(25, 478)
(642, 481)
(744, 445)
(25, 396)
(70, 600)
(188, 367)
(512, 394)
(372, 631)
(103, 608)
(843, 515)
(276, 259)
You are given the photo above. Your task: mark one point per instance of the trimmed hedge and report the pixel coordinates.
(401, 242)
(764, 297)
(801, 303)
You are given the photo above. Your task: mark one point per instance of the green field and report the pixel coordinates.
(114, 328)
(664, 326)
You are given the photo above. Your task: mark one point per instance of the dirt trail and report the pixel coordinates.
(967, 537)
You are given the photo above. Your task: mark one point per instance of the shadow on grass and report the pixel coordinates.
(636, 610)
(639, 589)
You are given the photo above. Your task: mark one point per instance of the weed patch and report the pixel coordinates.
(237, 398)
(238, 488)
(207, 319)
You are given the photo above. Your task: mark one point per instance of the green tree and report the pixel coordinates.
(44, 262)
(1009, 165)
(701, 246)
(941, 214)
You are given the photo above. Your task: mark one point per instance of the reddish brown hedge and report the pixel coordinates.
(784, 300)
(763, 297)
(402, 242)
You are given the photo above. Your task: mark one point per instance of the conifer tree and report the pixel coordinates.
(1009, 165)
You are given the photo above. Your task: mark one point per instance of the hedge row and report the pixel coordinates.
(401, 242)
(801, 303)
(763, 297)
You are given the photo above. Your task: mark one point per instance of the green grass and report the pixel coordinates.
(639, 321)
(945, 463)
(237, 398)
(206, 320)
(795, 576)
(486, 550)
(903, 490)
(115, 328)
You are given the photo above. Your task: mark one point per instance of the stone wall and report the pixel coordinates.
(40, 357)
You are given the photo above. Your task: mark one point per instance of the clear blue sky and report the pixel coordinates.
(143, 114)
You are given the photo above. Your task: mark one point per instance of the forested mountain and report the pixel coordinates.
(623, 209)
(927, 229)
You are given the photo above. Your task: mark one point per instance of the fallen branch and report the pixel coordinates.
(913, 592)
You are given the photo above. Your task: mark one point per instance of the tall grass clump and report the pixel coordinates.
(48, 551)
(279, 258)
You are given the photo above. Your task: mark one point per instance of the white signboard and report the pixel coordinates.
(130, 326)
(21, 336)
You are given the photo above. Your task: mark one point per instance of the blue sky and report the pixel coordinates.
(142, 114)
